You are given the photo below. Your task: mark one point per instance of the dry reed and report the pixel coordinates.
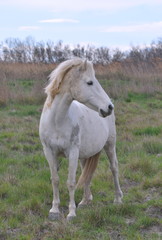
(24, 82)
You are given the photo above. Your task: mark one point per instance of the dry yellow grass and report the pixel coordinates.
(118, 79)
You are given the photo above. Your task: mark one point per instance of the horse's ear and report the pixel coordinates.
(83, 66)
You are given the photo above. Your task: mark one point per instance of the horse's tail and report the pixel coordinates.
(88, 170)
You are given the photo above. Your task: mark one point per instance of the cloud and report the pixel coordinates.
(59, 20)
(28, 28)
(146, 27)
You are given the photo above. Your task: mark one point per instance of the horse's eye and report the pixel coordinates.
(90, 83)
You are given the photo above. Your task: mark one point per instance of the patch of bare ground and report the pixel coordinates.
(9, 233)
(56, 230)
(115, 235)
(153, 194)
(155, 212)
(130, 221)
(127, 184)
(155, 229)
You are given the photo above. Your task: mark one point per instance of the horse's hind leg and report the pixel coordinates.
(54, 213)
(111, 153)
(87, 195)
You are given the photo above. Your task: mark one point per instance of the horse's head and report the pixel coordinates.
(77, 77)
(86, 89)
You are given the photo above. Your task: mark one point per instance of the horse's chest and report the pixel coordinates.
(63, 139)
(60, 139)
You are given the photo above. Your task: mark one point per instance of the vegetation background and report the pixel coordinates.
(134, 81)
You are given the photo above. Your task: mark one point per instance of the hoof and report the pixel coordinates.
(83, 205)
(54, 216)
(118, 198)
(118, 202)
(70, 218)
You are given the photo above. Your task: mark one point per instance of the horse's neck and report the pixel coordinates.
(60, 107)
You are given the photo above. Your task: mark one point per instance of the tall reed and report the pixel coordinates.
(24, 82)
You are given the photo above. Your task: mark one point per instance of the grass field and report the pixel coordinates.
(26, 191)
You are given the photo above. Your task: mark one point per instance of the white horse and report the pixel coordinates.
(77, 122)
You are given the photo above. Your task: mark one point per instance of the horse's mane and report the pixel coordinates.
(57, 76)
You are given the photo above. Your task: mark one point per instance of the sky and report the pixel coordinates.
(109, 23)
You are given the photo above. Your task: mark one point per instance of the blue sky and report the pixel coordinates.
(114, 23)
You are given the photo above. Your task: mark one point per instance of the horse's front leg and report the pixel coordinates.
(71, 182)
(54, 213)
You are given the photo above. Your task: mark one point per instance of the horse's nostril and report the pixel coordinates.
(104, 113)
(110, 107)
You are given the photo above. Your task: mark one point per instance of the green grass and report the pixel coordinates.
(26, 191)
(153, 146)
(26, 84)
(151, 131)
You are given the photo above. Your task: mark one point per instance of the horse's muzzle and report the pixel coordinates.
(108, 112)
